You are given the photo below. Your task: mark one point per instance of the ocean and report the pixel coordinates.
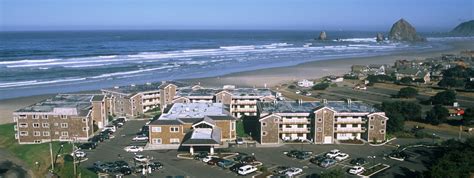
(33, 63)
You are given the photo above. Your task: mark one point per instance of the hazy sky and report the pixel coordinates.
(425, 15)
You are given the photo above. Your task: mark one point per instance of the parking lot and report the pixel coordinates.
(112, 150)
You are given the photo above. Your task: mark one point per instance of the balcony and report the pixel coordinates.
(349, 130)
(239, 102)
(151, 96)
(350, 121)
(244, 109)
(295, 130)
(295, 121)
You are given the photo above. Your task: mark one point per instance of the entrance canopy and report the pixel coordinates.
(203, 137)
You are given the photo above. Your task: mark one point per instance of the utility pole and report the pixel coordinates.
(51, 153)
(74, 157)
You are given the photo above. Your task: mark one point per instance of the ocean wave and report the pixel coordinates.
(132, 72)
(437, 39)
(358, 40)
(36, 82)
(27, 61)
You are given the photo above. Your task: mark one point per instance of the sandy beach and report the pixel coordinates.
(269, 77)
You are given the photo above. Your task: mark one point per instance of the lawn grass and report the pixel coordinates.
(40, 153)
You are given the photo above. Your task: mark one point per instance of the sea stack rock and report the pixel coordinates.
(322, 35)
(403, 31)
(380, 37)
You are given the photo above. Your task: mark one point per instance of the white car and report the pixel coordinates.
(333, 153)
(293, 171)
(298, 92)
(140, 138)
(110, 127)
(356, 170)
(140, 158)
(341, 156)
(247, 169)
(308, 94)
(79, 154)
(208, 158)
(133, 149)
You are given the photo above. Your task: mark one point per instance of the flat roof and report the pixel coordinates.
(133, 89)
(236, 92)
(305, 107)
(64, 104)
(193, 112)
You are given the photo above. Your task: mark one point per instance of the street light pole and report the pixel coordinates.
(74, 157)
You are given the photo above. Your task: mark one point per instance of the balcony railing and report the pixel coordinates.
(350, 121)
(291, 121)
(237, 102)
(357, 129)
(295, 130)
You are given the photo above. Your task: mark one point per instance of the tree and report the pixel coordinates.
(406, 80)
(438, 114)
(455, 159)
(320, 86)
(451, 82)
(407, 92)
(447, 97)
(291, 87)
(395, 122)
(468, 116)
(398, 112)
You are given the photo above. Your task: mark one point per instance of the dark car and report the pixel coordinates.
(125, 170)
(224, 163)
(236, 167)
(104, 136)
(317, 159)
(214, 161)
(121, 163)
(281, 170)
(87, 146)
(303, 155)
(240, 156)
(117, 123)
(358, 161)
(155, 165)
(292, 153)
(248, 160)
(200, 155)
(96, 139)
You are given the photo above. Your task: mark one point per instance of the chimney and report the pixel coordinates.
(349, 101)
(300, 101)
(325, 101)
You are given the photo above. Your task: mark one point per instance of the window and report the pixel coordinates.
(23, 125)
(155, 129)
(264, 133)
(371, 118)
(84, 129)
(343, 125)
(232, 126)
(383, 122)
(45, 133)
(242, 106)
(22, 116)
(288, 126)
(157, 140)
(382, 131)
(45, 116)
(174, 129)
(37, 141)
(35, 117)
(320, 129)
(275, 120)
(371, 127)
(23, 133)
(36, 133)
(63, 125)
(63, 117)
(320, 120)
(355, 125)
(299, 135)
(174, 140)
(84, 120)
(264, 124)
(36, 125)
(64, 134)
(45, 125)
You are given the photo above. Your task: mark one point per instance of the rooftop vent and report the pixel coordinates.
(349, 101)
(116, 87)
(325, 101)
(132, 85)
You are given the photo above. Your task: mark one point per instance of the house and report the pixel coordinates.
(64, 117)
(335, 79)
(134, 100)
(414, 74)
(241, 101)
(192, 125)
(305, 83)
(359, 69)
(323, 122)
(377, 69)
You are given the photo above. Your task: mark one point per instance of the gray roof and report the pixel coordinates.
(408, 71)
(98, 98)
(180, 113)
(64, 104)
(307, 107)
(133, 89)
(236, 92)
(202, 137)
(167, 122)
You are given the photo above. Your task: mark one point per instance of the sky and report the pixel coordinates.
(362, 15)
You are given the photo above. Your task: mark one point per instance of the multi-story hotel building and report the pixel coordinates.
(320, 122)
(134, 100)
(241, 101)
(192, 125)
(64, 117)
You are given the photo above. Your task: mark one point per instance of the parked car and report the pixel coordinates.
(208, 158)
(399, 156)
(110, 127)
(240, 156)
(225, 163)
(358, 161)
(121, 163)
(214, 161)
(140, 138)
(79, 154)
(332, 153)
(105, 167)
(235, 167)
(248, 160)
(327, 162)
(356, 170)
(133, 149)
(125, 170)
(140, 158)
(280, 170)
(293, 171)
(341, 156)
(200, 155)
(247, 169)
(122, 119)
(299, 154)
(155, 165)
(239, 141)
(96, 139)
(117, 124)
(87, 146)
(317, 159)
(104, 135)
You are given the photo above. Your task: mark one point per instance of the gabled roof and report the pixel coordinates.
(202, 137)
